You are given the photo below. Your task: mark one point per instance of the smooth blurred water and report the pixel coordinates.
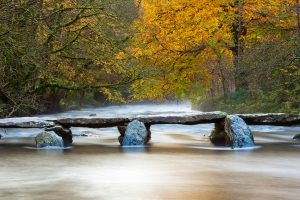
(179, 163)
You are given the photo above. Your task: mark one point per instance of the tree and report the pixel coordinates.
(187, 48)
(173, 43)
(52, 50)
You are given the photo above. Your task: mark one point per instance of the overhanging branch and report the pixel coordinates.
(78, 87)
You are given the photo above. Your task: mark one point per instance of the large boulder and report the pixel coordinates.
(135, 134)
(238, 132)
(48, 139)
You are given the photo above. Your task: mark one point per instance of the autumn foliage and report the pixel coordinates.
(195, 49)
(229, 54)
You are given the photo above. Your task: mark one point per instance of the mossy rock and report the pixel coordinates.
(219, 138)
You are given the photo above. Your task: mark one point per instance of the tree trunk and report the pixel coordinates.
(238, 30)
(298, 21)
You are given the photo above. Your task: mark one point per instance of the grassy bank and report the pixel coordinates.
(251, 102)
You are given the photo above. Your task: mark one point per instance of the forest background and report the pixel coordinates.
(230, 55)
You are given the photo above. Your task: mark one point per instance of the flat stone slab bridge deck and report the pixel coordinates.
(62, 126)
(280, 119)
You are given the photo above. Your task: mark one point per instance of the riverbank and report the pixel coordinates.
(248, 102)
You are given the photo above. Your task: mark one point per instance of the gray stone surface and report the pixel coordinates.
(25, 122)
(279, 119)
(135, 134)
(238, 132)
(48, 139)
(190, 119)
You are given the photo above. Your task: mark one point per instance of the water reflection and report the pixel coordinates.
(49, 148)
(134, 149)
(226, 148)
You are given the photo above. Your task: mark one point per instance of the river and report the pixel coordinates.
(179, 163)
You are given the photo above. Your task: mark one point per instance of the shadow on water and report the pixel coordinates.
(135, 149)
(218, 148)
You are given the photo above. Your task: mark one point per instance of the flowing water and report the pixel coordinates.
(179, 163)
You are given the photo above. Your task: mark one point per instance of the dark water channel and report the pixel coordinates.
(179, 163)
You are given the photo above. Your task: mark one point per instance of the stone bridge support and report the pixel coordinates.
(122, 130)
(64, 132)
(218, 135)
(233, 132)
